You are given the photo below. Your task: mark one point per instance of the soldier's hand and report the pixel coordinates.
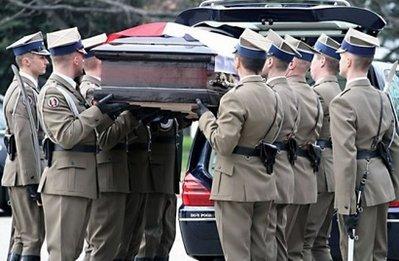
(200, 108)
(351, 222)
(33, 194)
(113, 109)
(146, 115)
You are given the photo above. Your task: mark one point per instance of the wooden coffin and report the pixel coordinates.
(165, 72)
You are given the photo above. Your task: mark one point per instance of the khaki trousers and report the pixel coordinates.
(133, 226)
(28, 222)
(318, 229)
(242, 228)
(15, 245)
(372, 232)
(160, 226)
(276, 239)
(66, 220)
(104, 230)
(297, 216)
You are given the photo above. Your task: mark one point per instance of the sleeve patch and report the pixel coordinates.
(53, 102)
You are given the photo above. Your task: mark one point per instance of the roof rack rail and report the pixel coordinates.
(255, 2)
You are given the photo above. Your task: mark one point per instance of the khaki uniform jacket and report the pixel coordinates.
(355, 116)
(71, 173)
(22, 170)
(113, 173)
(327, 89)
(282, 167)
(309, 126)
(245, 115)
(164, 167)
(138, 156)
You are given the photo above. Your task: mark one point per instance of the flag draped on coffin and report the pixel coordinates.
(223, 45)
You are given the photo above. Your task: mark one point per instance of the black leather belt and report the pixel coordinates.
(137, 146)
(367, 154)
(245, 151)
(281, 145)
(163, 139)
(302, 153)
(77, 148)
(119, 146)
(324, 143)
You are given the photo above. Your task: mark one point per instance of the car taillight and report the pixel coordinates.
(194, 193)
(394, 204)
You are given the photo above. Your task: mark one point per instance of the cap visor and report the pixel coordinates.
(82, 51)
(42, 52)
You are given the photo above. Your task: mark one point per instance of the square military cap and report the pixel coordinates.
(279, 48)
(303, 48)
(64, 42)
(327, 46)
(91, 42)
(359, 43)
(32, 43)
(251, 45)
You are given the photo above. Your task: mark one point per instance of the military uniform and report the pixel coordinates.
(283, 170)
(107, 212)
(318, 225)
(138, 159)
(160, 212)
(21, 171)
(281, 51)
(360, 117)
(22, 167)
(69, 183)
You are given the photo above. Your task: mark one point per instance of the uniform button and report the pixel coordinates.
(346, 207)
(32, 177)
(72, 163)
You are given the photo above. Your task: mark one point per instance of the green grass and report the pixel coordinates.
(187, 141)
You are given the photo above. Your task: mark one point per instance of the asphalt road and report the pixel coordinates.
(178, 253)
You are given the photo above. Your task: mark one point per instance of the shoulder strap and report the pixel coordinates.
(375, 139)
(69, 100)
(317, 115)
(395, 119)
(274, 119)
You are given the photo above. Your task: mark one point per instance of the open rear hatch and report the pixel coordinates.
(305, 19)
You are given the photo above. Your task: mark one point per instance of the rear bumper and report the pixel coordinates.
(393, 234)
(199, 233)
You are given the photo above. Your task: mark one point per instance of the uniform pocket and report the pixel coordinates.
(227, 169)
(68, 169)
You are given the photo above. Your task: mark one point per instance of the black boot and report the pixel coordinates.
(13, 257)
(30, 258)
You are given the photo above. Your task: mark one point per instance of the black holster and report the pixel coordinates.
(385, 154)
(268, 154)
(292, 148)
(314, 153)
(9, 142)
(48, 148)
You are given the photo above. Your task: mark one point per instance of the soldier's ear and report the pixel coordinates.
(237, 62)
(322, 60)
(292, 65)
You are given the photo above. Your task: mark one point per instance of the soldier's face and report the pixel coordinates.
(79, 63)
(38, 64)
(315, 66)
(344, 64)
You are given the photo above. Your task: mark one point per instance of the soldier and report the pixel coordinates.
(306, 164)
(160, 211)
(249, 118)
(363, 134)
(280, 54)
(69, 182)
(107, 212)
(20, 175)
(323, 69)
(138, 158)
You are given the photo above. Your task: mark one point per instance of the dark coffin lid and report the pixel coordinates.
(152, 45)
